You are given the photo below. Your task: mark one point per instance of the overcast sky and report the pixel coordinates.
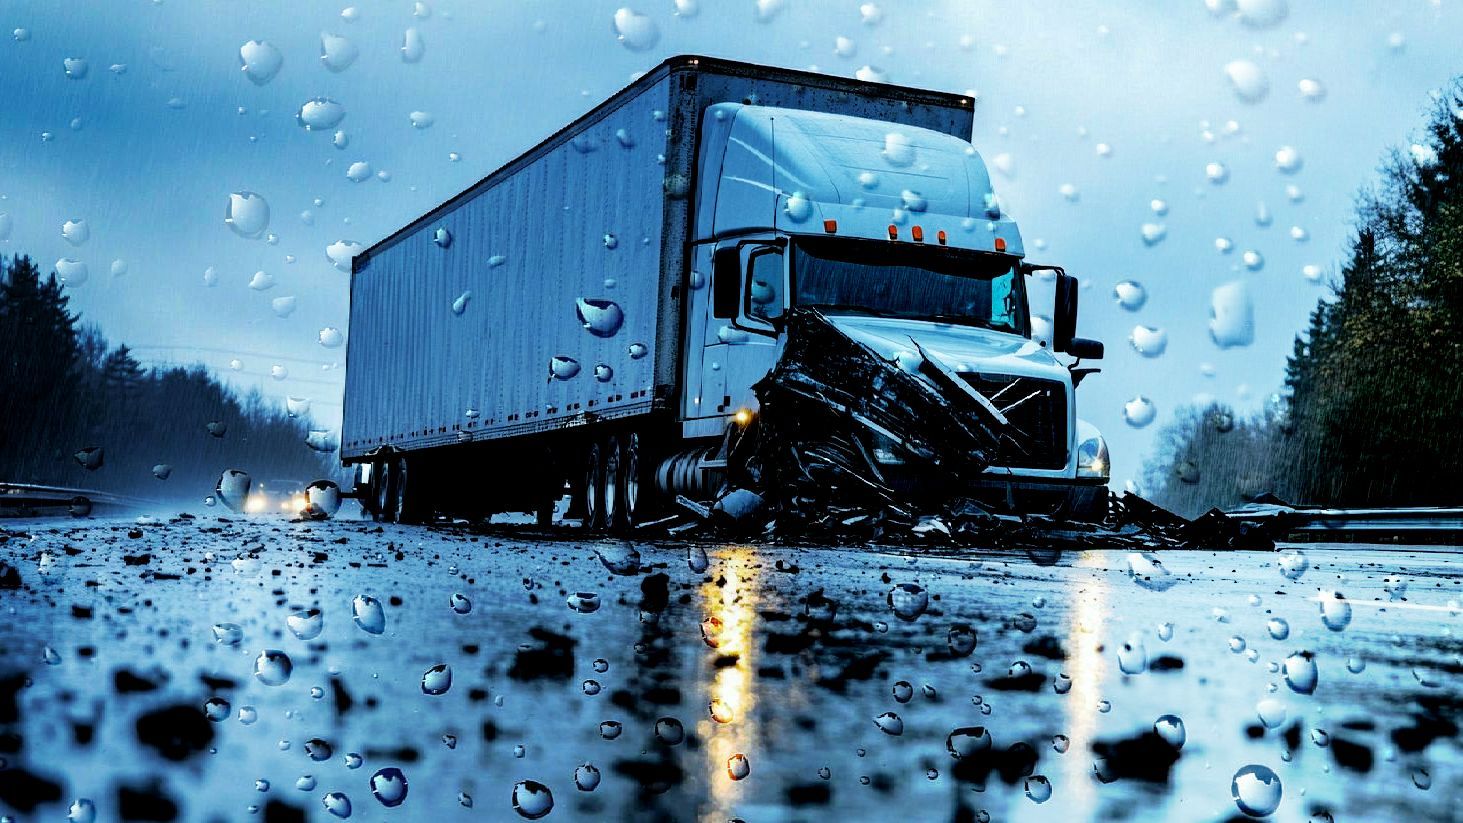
(1089, 111)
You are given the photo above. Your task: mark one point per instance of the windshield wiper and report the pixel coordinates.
(854, 307)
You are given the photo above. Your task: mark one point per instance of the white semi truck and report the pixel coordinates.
(593, 316)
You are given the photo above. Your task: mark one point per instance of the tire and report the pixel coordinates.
(383, 498)
(410, 506)
(632, 482)
(614, 485)
(594, 487)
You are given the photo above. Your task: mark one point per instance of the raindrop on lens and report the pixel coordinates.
(368, 614)
(967, 741)
(1256, 790)
(610, 729)
(738, 766)
(1170, 727)
(273, 667)
(336, 803)
(437, 680)
(389, 786)
(1278, 628)
(1335, 611)
(216, 709)
(459, 603)
(1139, 412)
(669, 731)
(228, 634)
(586, 778)
(247, 214)
(584, 602)
(1148, 341)
(908, 601)
(903, 691)
(1301, 674)
(601, 318)
(1038, 788)
(318, 750)
(1130, 294)
(306, 624)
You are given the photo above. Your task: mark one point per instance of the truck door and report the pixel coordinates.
(749, 292)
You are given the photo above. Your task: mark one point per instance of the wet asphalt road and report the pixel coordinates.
(109, 656)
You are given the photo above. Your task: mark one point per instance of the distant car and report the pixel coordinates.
(280, 495)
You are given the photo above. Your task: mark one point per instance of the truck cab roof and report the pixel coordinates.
(818, 172)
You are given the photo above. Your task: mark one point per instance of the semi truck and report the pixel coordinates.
(589, 322)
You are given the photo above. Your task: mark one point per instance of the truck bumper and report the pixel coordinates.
(1082, 498)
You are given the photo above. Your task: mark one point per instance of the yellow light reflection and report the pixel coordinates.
(730, 689)
(1088, 668)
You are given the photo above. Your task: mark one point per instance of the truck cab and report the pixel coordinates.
(895, 234)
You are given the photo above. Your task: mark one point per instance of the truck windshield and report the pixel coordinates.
(910, 282)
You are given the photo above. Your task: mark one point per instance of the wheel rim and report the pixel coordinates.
(612, 485)
(631, 470)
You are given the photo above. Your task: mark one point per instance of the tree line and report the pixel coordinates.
(76, 412)
(1372, 410)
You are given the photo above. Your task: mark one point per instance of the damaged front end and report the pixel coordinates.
(839, 423)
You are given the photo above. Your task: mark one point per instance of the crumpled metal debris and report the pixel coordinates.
(803, 468)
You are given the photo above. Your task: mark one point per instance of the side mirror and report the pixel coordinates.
(726, 281)
(1064, 315)
(1083, 348)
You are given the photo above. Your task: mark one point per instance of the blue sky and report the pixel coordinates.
(147, 155)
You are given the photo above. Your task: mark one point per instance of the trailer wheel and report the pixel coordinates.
(630, 477)
(409, 504)
(614, 485)
(382, 498)
(594, 487)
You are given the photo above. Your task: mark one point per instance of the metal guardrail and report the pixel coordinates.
(1425, 524)
(31, 500)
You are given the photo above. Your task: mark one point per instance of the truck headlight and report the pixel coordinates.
(1092, 458)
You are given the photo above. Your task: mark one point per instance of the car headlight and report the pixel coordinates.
(1092, 458)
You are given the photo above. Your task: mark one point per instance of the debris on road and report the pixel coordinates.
(803, 468)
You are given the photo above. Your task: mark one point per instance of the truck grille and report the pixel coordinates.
(1037, 411)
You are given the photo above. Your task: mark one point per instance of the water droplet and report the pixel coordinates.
(75, 231)
(1133, 656)
(306, 624)
(388, 785)
(599, 317)
(1232, 314)
(1278, 628)
(638, 350)
(1287, 160)
(908, 601)
(898, 150)
(1038, 788)
(1165, 632)
(358, 171)
(1153, 233)
(635, 31)
(331, 337)
(1256, 790)
(1271, 712)
(586, 778)
(799, 208)
(1148, 341)
(233, 486)
(283, 306)
(459, 603)
(1130, 294)
(368, 614)
(334, 802)
(273, 667)
(738, 766)
(75, 67)
(1139, 412)
(669, 731)
(337, 53)
(610, 729)
(903, 691)
(1335, 611)
(1170, 727)
(584, 602)
(216, 709)
(460, 304)
(1145, 569)
(590, 687)
(1301, 674)
(697, 560)
(967, 741)
(720, 711)
(1247, 80)
(961, 640)
(228, 634)
(1061, 743)
(442, 237)
(437, 680)
(247, 214)
(1218, 173)
(320, 113)
(1293, 563)
(563, 368)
